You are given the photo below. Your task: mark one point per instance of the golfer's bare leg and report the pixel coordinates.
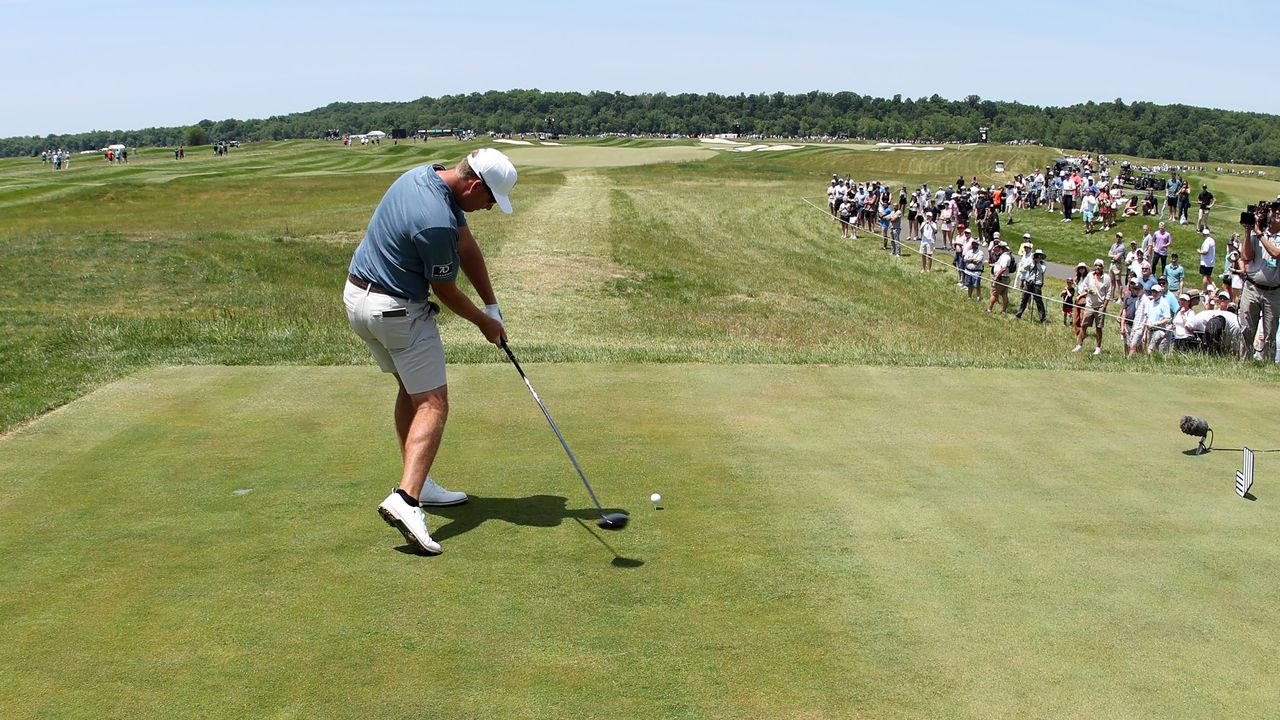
(420, 420)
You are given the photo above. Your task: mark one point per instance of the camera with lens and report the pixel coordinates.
(1260, 214)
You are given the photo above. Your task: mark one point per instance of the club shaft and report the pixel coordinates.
(554, 429)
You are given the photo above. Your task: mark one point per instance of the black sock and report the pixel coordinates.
(411, 500)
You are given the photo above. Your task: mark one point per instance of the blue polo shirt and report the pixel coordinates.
(1160, 310)
(1174, 277)
(412, 238)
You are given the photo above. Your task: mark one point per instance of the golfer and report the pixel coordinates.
(416, 242)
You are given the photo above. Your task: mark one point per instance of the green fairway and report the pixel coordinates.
(880, 501)
(588, 156)
(836, 542)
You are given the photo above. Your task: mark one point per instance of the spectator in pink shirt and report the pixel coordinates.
(1160, 250)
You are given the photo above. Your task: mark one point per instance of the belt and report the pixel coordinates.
(370, 286)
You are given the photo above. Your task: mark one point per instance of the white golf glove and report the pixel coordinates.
(494, 312)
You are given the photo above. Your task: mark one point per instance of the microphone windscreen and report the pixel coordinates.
(1193, 426)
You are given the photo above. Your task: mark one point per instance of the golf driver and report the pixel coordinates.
(607, 521)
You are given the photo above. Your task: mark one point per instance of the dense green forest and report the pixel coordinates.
(1176, 132)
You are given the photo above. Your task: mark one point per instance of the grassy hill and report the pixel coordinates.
(239, 260)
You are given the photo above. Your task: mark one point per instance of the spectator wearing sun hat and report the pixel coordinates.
(1096, 289)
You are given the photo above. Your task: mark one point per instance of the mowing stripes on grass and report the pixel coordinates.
(837, 542)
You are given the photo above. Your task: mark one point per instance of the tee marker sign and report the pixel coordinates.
(1244, 476)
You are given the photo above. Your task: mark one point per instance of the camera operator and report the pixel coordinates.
(1260, 252)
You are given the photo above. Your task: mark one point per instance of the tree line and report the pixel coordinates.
(1176, 132)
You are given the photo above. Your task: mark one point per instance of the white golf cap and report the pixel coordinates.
(1026, 236)
(1185, 296)
(1205, 231)
(497, 172)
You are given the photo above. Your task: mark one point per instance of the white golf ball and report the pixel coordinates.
(655, 498)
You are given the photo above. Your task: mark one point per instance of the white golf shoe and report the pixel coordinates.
(409, 521)
(433, 495)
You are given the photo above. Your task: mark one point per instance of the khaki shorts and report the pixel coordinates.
(402, 336)
(1090, 317)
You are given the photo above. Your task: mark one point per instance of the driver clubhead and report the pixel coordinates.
(613, 521)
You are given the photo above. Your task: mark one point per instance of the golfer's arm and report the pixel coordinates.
(458, 302)
(473, 266)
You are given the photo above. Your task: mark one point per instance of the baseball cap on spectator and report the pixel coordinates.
(1161, 223)
(1134, 283)
(1185, 296)
(1120, 235)
(1224, 295)
(967, 231)
(1097, 263)
(995, 234)
(1205, 231)
(1161, 282)
(497, 172)
(1038, 253)
(1081, 265)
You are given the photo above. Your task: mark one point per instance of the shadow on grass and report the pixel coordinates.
(533, 511)
(618, 561)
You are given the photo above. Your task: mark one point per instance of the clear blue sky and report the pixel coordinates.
(74, 66)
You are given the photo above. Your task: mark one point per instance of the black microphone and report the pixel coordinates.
(1196, 427)
(1193, 426)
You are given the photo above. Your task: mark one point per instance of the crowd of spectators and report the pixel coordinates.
(1142, 287)
(60, 159)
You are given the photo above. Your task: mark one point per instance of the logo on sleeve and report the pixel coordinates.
(441, 270)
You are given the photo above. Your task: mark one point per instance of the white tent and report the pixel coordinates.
(376, 133)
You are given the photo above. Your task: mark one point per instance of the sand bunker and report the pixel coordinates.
(595, 156)
(720, 141)
(512, 142)
(763, 148)
(905, 147)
